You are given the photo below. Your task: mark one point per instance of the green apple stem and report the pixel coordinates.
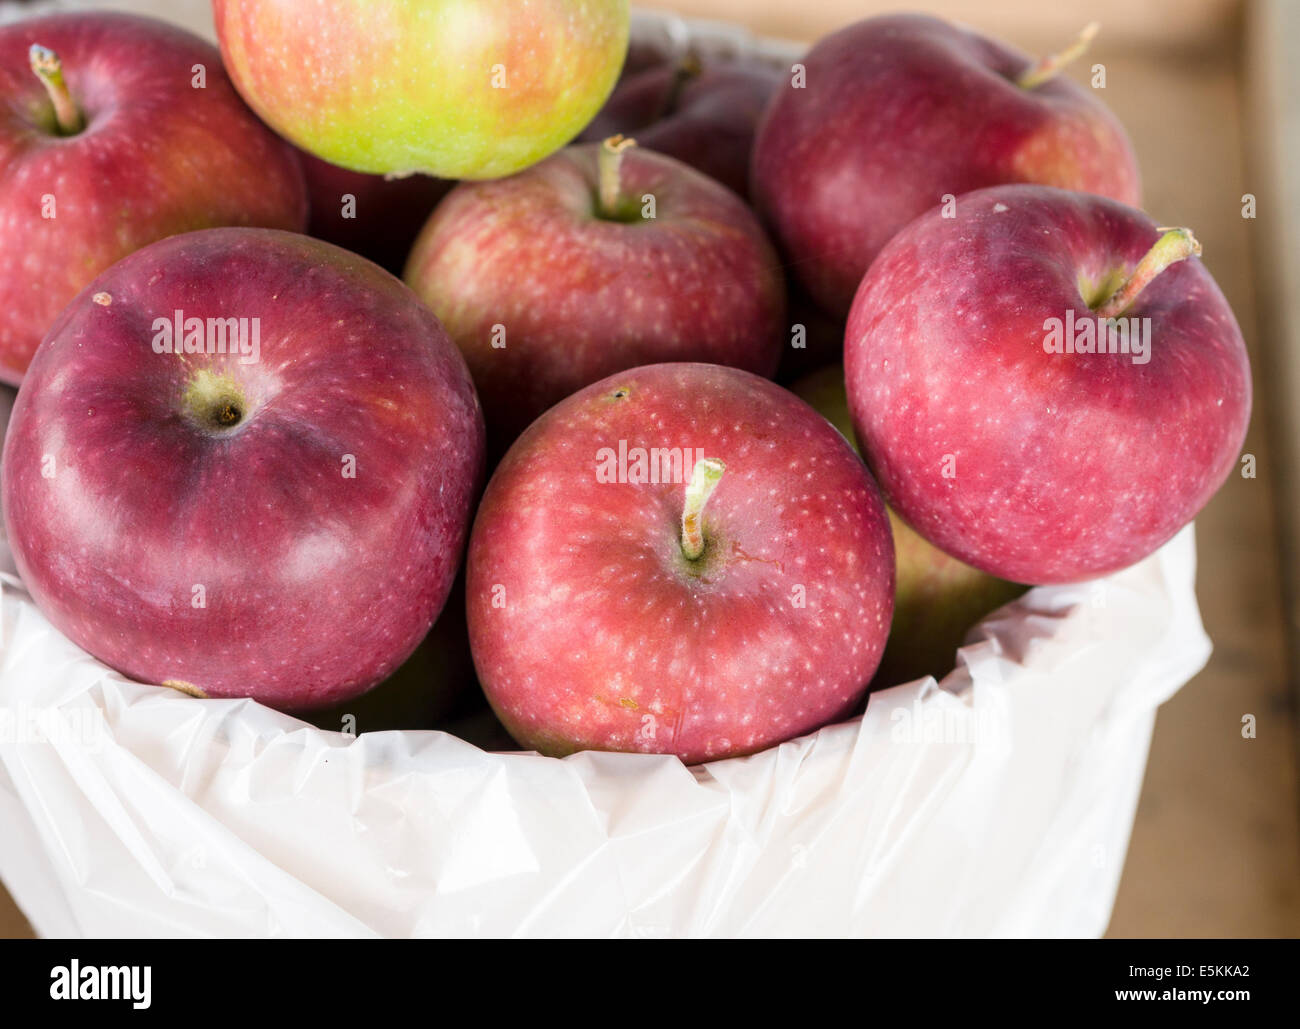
(704, 479)
(1174, 246)
(1047, 67)
(49, 69)
(609, 163)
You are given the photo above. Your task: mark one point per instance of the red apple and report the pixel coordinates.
(555, 278)
(424, 691)
(371, 215)
(639, 99)
(937, 598)
(680, 559)
(280, 517)
(123, 131)
(895, 113)
(995, 432)
(703, 113)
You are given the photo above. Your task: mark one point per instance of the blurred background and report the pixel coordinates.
(1209, 91)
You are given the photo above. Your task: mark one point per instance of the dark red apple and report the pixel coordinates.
(424, 691)
(117, 131)
(599, 259)
(936, 597)
(639, 99)
(895, 113)
(275, 511)
(680, 559)
(371, 215)
(703, 113)
(1005, 417)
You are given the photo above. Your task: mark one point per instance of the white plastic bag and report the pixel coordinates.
(999, 803)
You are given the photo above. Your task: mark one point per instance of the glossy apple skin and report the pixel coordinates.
(705, 118)
(1063, 466)
(898, 111)
(316, 585)
(936, 598)
(156, 157)
(400, 86)
(590, 629)
(580, 297)
(387, 213)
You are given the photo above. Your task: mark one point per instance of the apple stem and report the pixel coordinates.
(609, 163)
(704, 479)
(1174, 246)
(688, 68)
(49, 69)
(1047, 67)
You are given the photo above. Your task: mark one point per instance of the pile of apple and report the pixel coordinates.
(246, 462)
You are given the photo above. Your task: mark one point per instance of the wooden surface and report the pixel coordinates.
(1272, 119)
(1216, 846)
(1151, 23)
(12, 923)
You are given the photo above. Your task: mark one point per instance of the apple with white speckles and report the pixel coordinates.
(680, 559)
(456, 89)
(895, 113)
(601, 258)
(1047, 386)
(117, 131)
(243, 464)
(936, 598)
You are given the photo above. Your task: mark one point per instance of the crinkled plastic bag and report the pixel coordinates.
(996, 804)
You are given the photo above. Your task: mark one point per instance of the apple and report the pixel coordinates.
(680, 559)
(243, 465)
(118, 131)
(452, 89)
(702, 112)
(937, 598)
(371, 215)
(424, 691)
(645, 52)
(1047, 386)
(599, 259)
(894, 114)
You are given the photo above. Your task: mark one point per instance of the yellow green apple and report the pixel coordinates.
(459, 89)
